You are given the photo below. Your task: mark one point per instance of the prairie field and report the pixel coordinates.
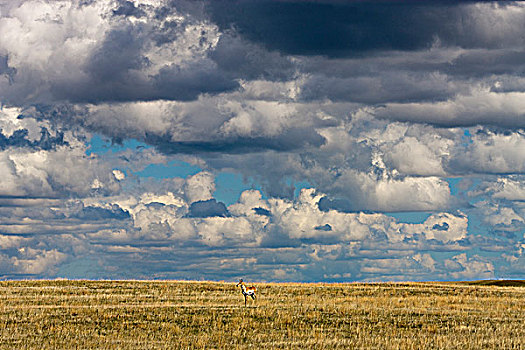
(62, 314)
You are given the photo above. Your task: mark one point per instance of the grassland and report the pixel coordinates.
(187, 315)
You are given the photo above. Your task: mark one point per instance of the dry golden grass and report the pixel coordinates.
(187, 315)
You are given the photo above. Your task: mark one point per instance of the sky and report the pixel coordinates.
(266, 140)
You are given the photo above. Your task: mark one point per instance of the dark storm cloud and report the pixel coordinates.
(208, 208)
(262, 211)
(336, 28)
(5, 69)
(275, 238)
(127, 8)
(118, 67)
(184, 84)
(114, 73)
(287, 141)
(325, 227)
(443, 227)
(342, 205)
(427, 75)
(19, 138)
(365, 101)
(482, 107)
(462, 64)
(99, 213)
(387, 87)
(481, 63)
(249, 61)
(205, 124)
(120, 52)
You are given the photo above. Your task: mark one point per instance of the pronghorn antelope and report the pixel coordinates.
(246, 291)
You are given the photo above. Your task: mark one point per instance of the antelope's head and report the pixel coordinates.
(240, 283)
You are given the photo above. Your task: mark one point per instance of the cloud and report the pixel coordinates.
(199, 187)
(443, 227)
(249, 61)
(262, 211)
(31, 262)
(43, 41)
(375, 121)
(128, 9)
(426, 261)
(508, 188)
(108, 51)
(490, 152)
(17, 131)
(297, 234)
(88, 213)
(396, 87)
(36, 262)
(125, 67)
(19, 139)
(468, 268)
(482, 107)
(366, 191)
(418, 155)
(325, 227)
(112, 57)
(209, 208)
(483, 62)
(368, 26)
(209, 125)
(58, 173)
(119, 175)
(503, 218)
